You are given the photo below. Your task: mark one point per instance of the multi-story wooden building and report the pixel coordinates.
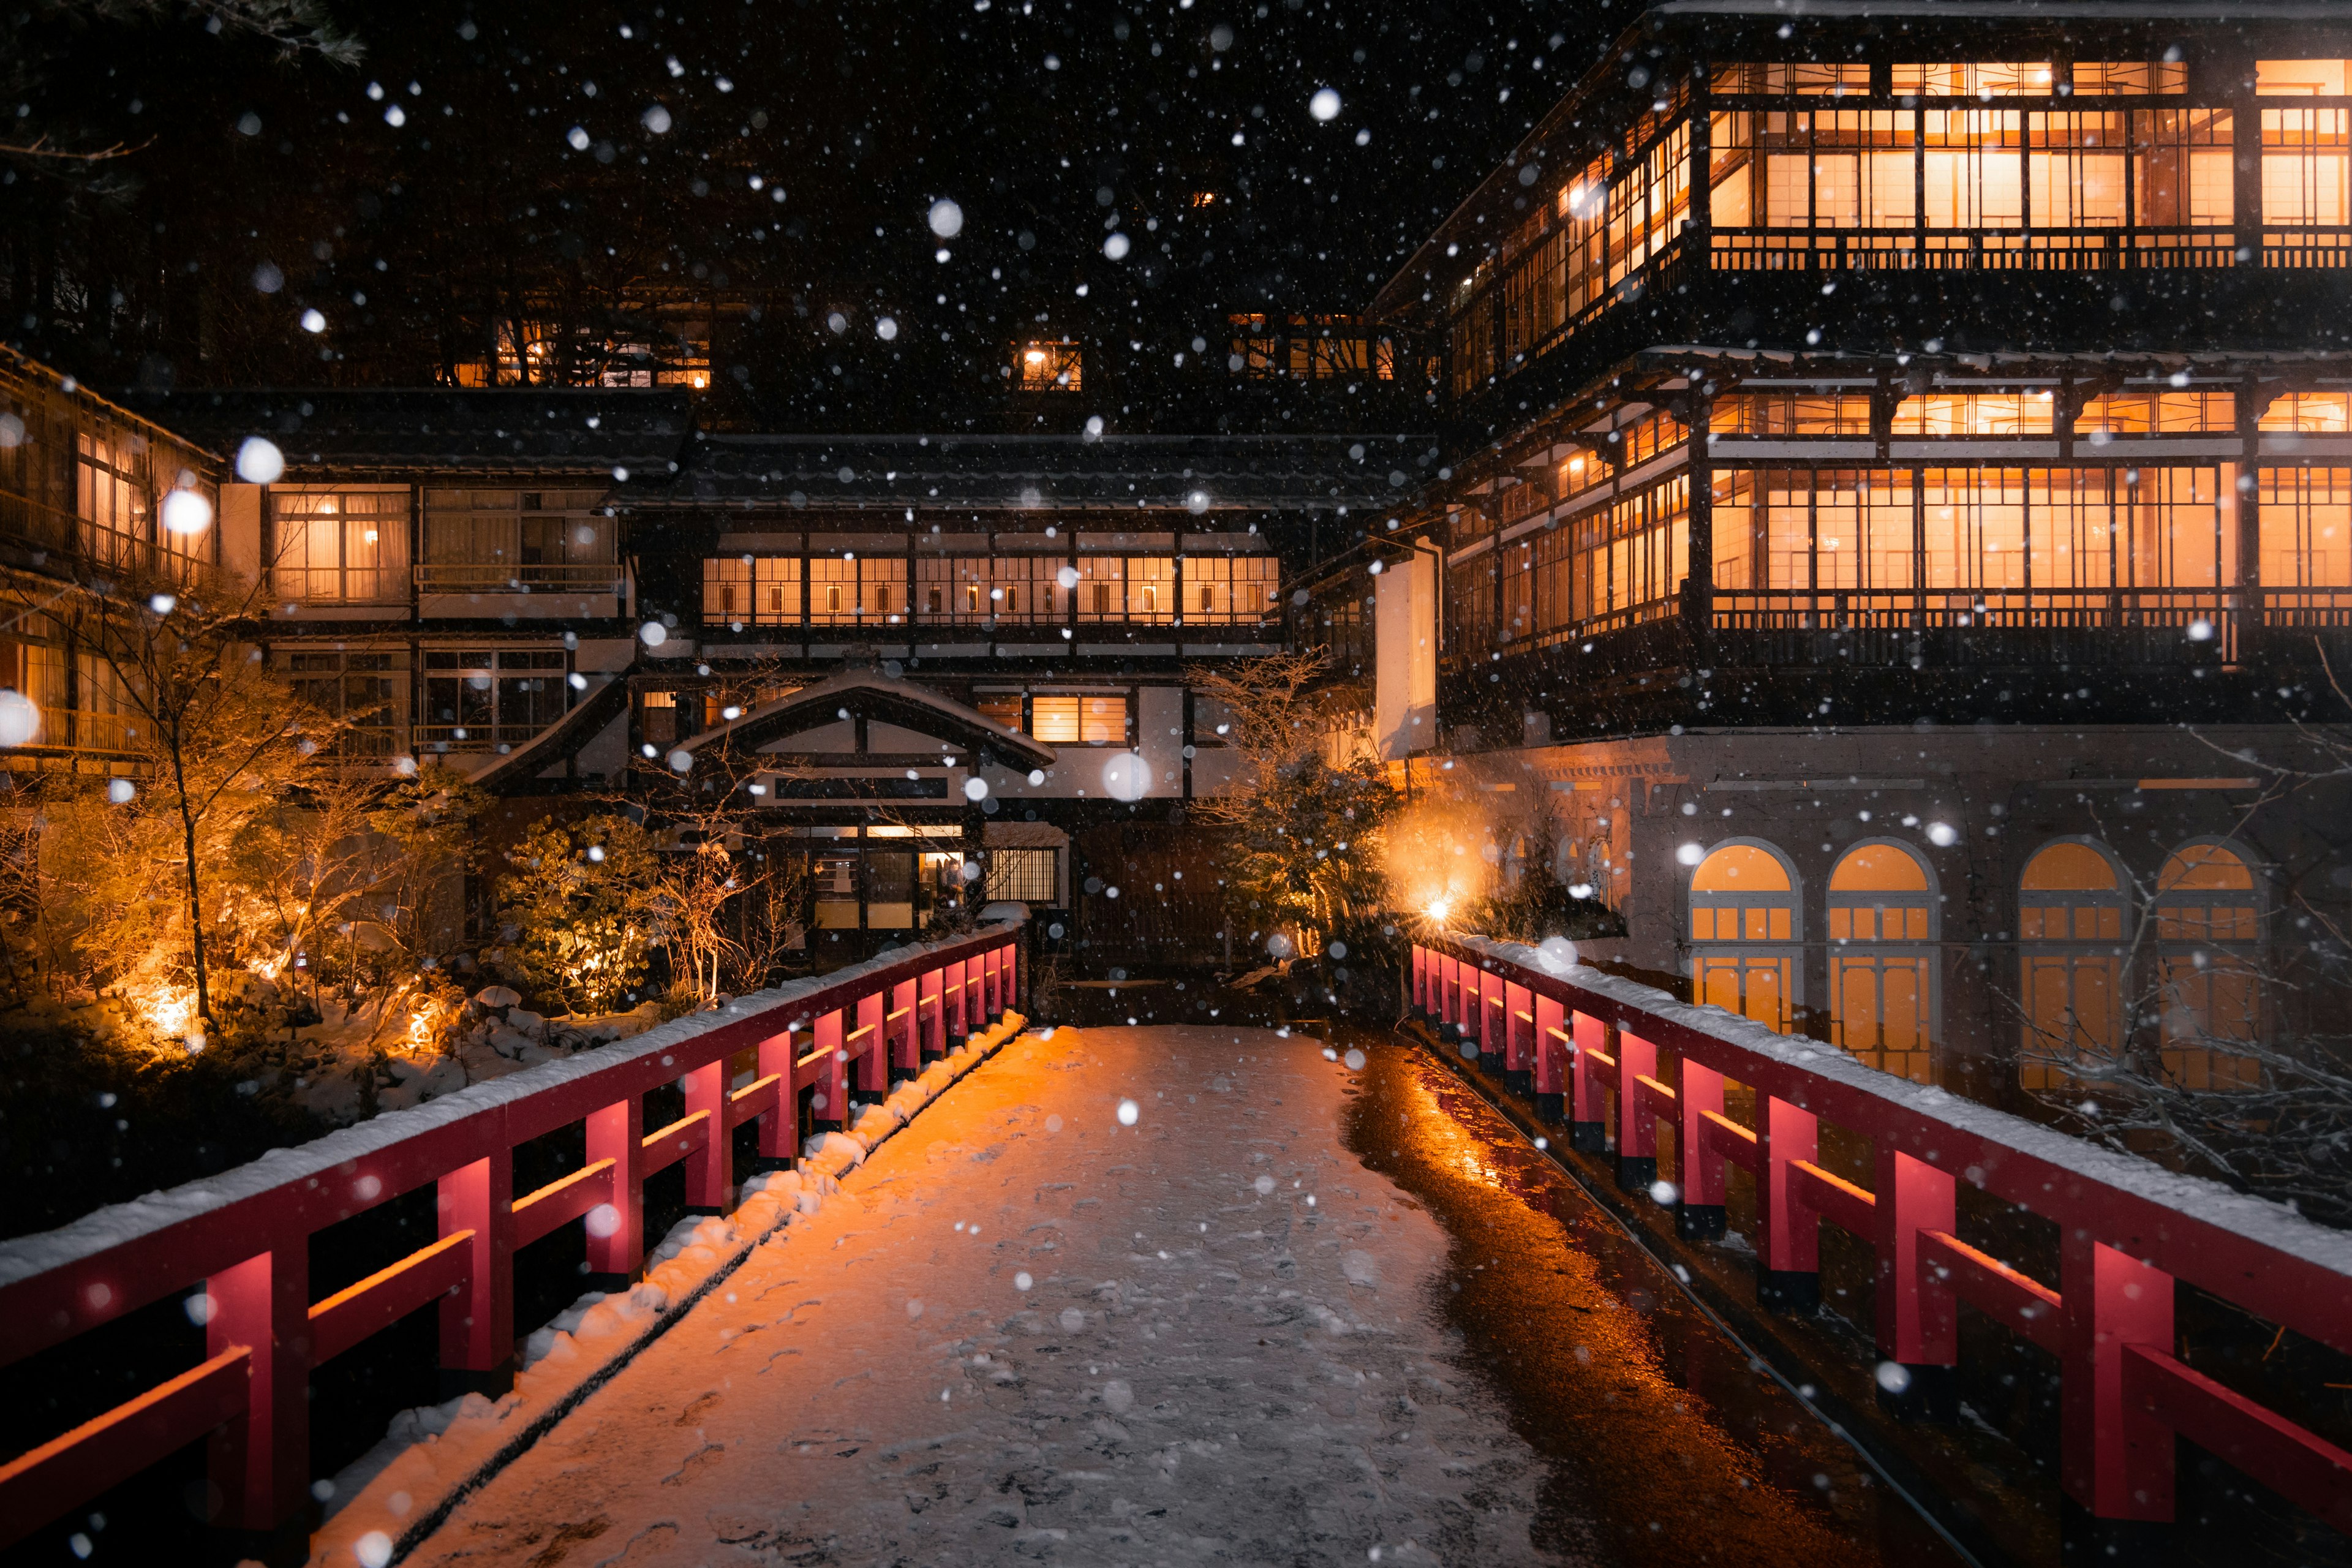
(1898, 524)
(916, 654)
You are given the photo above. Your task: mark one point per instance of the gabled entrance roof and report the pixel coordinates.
(868, 693)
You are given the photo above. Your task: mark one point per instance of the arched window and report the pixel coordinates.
(2071, 918)
(1883, 971)
(1745, 932)
(2207, 921)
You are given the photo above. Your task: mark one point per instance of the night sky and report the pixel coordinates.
(608, 154)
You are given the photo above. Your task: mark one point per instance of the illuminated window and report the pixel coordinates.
(1230, 589)
(2129, 78)
(1832, 79)
(2153, 412)
(1002, 708)
(2306, 165)
(2301, 79)
(858, 590)
(2309, 412)
(1030, 876)
(1970, 170)
(1745, 929)
(1882, 919)
(340, 546)
(1979, 78)
(2070, 932)
(751, 590)
(1152, 589)
(111, 494)
(2207, 921)
(2306, 532)
(1079, 721)
(960, 590)
(1203, 199)
(1047, 366)
(2030, 413)
(1790, 414)
(1029, 588)
(1102, 588)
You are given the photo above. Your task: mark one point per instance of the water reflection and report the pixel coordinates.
(1664, 1444)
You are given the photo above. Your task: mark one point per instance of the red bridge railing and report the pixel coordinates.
(1601, 1044)
(243, 1237)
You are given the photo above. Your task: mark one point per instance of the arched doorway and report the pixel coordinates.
(1746, 927)
(2208, 920)
(2071, 915)
(1882, 969)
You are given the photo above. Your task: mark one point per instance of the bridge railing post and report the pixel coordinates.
(1637, 1130)
(930, 1027)
(1788, 1232)
(478, 1319)
(260, 1462)
(1698, 1166)
(1551, 1048)
(710, 1169)
(780, 1123)
(1520, 1028)
(1588, 1118)
(831, 1099)
(1916, 1325)
(2116, 1462)
(616, 1229)
(874, 1063)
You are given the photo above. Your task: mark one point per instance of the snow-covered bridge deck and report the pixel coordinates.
(1025, 1330)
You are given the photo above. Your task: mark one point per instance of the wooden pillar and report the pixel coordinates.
(1637, 1131)
(1698, 1169)
(1916, 1327)
(478, 1319)
(261, 1461)
(710, 1170)
(1587, 1120)
(616, 1230)
(779, 1125)
(1788, 1234)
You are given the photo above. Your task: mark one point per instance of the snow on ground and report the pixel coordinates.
(431, 1453)
(1025, 1330)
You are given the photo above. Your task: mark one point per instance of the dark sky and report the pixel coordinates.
(1049, 124)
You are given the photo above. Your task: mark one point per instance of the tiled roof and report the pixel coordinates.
(1192, 474)
(355, 433)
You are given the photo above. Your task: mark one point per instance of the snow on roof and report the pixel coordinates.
(343, 432)
(1167, 473)
(864, 689)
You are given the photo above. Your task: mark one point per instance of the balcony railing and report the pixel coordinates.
(518, 577)
(1895, 627)
(440, 738)
(2119, 626)
(84, 545)
(75, 730)
(1996, 250)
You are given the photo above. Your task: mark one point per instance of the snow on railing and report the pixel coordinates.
(1587, 1044)
(244, 1236)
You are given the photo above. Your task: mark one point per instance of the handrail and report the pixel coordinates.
(244, 1236)
(2128, 1228)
